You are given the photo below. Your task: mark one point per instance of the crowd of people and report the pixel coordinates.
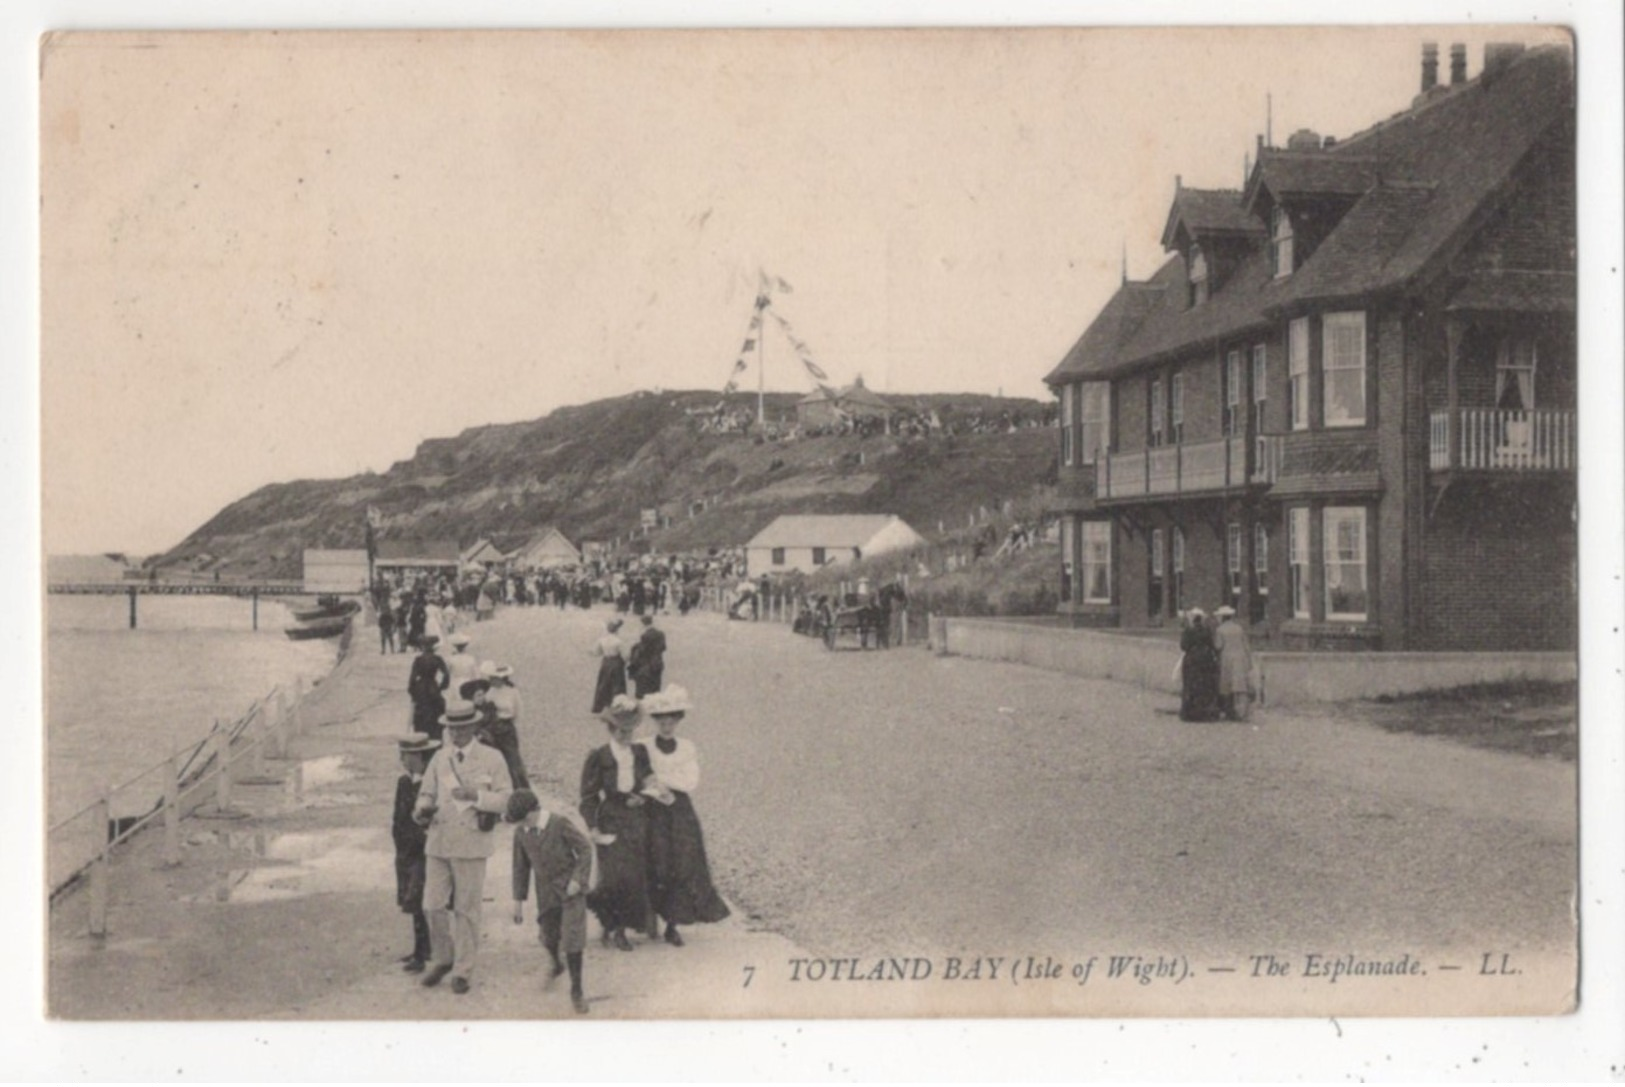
(900, 422)
(630, 851)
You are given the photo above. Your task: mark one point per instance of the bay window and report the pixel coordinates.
(1068, 452)
(1297, 542)
(1297, 364)
(1342, 359)
(1346, 596)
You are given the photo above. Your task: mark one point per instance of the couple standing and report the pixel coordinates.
(1215, 667)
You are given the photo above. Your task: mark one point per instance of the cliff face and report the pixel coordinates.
(591, 469)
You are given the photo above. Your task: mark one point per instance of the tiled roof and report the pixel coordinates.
(826, 530)
(1208, 211)
(1417, 180)
(1310, 173)
(1522, 292)
(1106, 334)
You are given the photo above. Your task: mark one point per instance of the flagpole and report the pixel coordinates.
(761, 368)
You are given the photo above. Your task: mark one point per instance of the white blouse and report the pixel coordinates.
(681, 769)
(625, 767)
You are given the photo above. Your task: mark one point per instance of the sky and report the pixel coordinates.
(281, 256)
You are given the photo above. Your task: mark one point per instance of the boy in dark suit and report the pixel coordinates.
(410, 838)
(561, 855)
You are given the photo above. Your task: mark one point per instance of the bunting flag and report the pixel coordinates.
(782, 285)
(761, 302)
(813, 369)
(750, 345)
(739, 366)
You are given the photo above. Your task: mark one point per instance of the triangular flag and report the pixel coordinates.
(783, 286)
(761, 301)
(750, 344)
(739, 366)
(812, 368)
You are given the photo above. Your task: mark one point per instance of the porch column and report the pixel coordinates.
(1453, 330)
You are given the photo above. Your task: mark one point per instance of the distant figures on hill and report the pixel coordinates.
(901, 423)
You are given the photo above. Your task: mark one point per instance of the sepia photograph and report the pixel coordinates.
(1041, 522)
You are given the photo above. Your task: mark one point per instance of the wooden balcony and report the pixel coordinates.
(1485, 439)
(1195, 468)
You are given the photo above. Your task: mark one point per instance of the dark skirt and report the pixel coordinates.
(1199, 685)
(611, 682)
(426, 718)
(680, 886)
(622, 897)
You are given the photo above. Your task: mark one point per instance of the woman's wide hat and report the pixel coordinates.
(673, 699)
(622, 710)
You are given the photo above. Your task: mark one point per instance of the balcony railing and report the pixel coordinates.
(1528, 441)
(1267, 458)
(1173, 469)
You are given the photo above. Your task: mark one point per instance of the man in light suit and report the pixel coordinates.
(464, 792)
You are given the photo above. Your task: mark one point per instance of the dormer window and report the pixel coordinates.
(1280, 242)
(1199, 276)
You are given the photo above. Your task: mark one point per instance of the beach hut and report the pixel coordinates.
(807, 542)
(409, 558)
(548, 548)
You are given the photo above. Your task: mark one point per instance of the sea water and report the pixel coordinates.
(118, 701)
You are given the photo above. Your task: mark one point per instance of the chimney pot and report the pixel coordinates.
(1458, 63)
(1430, 66)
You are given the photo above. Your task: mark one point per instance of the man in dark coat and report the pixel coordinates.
(427, 685)
(648, 663)
(410, 866)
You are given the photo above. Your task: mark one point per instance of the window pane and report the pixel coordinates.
(1346, 595)
(1343, 360)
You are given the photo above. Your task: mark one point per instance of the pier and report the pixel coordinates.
(252, 590)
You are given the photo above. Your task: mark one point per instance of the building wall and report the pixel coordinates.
(759, 560)
(1129, 402)
(1500, 568)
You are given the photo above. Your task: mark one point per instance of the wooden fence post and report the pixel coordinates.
(172, 812)
(902, 636)
(98, 869)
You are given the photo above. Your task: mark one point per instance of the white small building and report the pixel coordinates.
(807, 542)
(547, 548)
(329, 571)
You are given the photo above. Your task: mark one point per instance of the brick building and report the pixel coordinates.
(1346, 403)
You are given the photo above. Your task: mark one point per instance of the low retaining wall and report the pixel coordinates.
(1284, 678)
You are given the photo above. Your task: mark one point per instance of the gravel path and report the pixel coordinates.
(863, 803)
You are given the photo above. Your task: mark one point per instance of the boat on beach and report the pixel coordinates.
(327, 608)
(329, 627)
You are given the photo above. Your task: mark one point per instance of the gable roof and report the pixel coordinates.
(822, 530)
(1418, 182)
(1208, 211)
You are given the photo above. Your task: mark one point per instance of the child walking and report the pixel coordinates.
(410, 839)
(560, 854)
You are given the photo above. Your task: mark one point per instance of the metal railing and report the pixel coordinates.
(195, 780)
(1497, 440)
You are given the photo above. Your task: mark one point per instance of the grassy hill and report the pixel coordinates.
(591, 469)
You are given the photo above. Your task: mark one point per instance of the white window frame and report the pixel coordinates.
(1516, 356)
(1232, 556)
(1159, 408)
(1330, 517)
(1179, 567)
(1261, 557)
(1298, 371)
(1299, 579)
(1232, 392)
(1068, 582)
(1093, 436)
(1068, 445)
(1097, 532)
(777, 556)
(1176, 407)
(1198, 276)
(1335, 363)
(1281, 242)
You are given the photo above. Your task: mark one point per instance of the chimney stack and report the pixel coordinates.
(1458, 64)
(1430, 66)
(1498, 56)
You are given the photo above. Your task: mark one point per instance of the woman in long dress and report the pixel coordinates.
(680, 888)
(1199, 670)
(611, 668)
(612, 802)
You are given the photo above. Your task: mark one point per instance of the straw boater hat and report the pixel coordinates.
(502, 671)
(418, 743)
(1198, 613)
(488, 669)
(460, 714)
(459, 639)
(1223, 612)
(673, 699)
(623, 710)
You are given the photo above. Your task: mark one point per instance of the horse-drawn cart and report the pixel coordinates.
(859, 627)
